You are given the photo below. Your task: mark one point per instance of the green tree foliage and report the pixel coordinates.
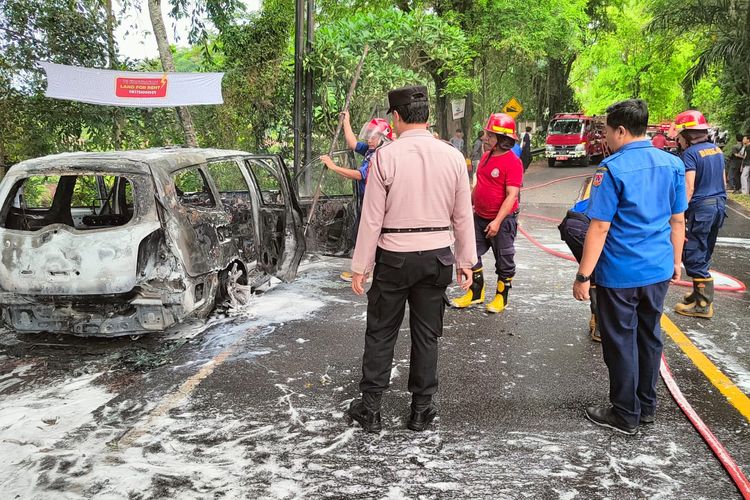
(552, 55)
(627, 62)
(721, 31)
(422, 49)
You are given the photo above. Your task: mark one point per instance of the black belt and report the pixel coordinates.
(387, 230)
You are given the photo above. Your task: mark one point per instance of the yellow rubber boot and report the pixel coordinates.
(475, 295)
(500, 302)
(701, 300)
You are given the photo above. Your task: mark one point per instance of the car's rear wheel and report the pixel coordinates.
(234, 274)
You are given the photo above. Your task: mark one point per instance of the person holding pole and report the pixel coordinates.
(374, 134)
(417, 189)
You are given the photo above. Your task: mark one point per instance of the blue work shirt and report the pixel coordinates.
(707, 159)
(516, 150)
(637, 190)
(580, 206)
(363, 149)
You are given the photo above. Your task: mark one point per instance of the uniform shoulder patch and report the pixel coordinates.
(599, 176)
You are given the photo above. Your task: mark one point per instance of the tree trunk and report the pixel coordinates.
(165, 54)
(441, 106)
(559, 93)
(117, 116)
(2, 157)
(466, 124)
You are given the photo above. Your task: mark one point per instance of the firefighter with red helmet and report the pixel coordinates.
(706, 192)
(499, 176)
(374, 134)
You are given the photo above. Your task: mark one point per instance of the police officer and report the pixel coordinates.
(499, 179)
(635, 243)
(707, 196)
(374, 134)
(417, 188)
(573, 230)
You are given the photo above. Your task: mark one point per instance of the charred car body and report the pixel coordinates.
(123, 243)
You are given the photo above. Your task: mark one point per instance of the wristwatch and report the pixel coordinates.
(582, 278)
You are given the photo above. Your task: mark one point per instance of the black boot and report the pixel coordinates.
(423, 411)
(701, 300)
(366, 411)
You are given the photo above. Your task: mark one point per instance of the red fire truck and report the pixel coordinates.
(669, 134)
(575, 137)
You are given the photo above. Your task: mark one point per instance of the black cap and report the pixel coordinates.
(406, 95)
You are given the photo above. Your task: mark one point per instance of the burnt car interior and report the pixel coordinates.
(192, 188)
(83, 202)
(273, 210)
(330, 230)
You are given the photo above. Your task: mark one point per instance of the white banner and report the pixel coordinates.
(132, 89)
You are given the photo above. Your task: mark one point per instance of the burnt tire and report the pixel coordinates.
(225, 278)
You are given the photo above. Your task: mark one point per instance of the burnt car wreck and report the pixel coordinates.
(124, 243)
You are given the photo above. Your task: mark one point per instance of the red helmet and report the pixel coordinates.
(376, 126)
(690, 120)
(502, 124)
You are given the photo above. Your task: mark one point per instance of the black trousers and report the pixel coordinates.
(632, 346)
(573, 229)
(502, 245)
(421, 279)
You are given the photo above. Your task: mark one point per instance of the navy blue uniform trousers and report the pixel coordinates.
(632, 346)
(703, 220)
(502, 245)
(421, 279)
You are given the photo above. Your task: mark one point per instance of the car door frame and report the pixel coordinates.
(348, 202)
(287, 262)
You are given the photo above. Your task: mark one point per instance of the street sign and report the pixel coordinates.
(513, 108)
(459, 108)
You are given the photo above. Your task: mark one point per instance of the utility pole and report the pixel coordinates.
(309, 81)
(299, 41)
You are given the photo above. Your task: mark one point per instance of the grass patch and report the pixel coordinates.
(742, 199)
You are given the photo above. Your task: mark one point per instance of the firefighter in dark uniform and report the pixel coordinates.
(707, 196)
(417, 189)
(573, 232)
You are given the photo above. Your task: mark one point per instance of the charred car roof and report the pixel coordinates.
(168, 159)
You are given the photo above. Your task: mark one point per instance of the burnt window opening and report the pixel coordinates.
(265, 177)
(230, 182)
(192, 189)
(82, 202)
(333, 185)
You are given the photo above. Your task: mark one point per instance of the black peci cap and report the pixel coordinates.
(406, 95)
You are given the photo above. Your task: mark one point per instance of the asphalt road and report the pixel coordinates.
(250, 404)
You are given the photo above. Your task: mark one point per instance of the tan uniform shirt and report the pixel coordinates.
(416, 181)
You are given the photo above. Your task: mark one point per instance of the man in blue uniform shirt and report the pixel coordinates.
(635, 243)
(707, 197)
